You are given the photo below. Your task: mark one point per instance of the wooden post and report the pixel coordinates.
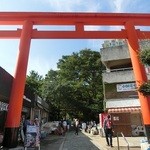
(16, 98)
(140, 74)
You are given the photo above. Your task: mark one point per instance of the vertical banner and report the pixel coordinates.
(102, 117)
(32, 138)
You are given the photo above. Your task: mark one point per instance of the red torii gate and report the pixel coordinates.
(78, 20)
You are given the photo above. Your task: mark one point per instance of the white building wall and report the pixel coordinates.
(115, 103)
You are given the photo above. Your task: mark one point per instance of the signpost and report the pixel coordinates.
(32, 138)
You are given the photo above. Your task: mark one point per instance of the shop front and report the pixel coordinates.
(33, 106)
(5, 89)
(127, 121)
(40, 110)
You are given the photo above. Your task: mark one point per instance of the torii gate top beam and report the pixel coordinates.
(79, 20)
(43, 18)
(28, 20)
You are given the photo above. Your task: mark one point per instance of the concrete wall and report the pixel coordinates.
(118, 76)
(114, 53)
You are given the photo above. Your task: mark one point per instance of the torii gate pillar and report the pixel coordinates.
(139, 73)
(16, 98)
(79, 20)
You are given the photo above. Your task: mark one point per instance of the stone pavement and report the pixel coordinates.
(134, 142)
(86, 141)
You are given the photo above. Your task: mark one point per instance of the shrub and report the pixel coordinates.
(145, 59)
(145, 56)
(145, 88)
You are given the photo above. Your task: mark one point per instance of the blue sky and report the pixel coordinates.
(44, 54)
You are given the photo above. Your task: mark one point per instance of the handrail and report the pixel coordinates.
(124, 139)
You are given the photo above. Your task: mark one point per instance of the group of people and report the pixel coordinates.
(85, 126)
(63, 126)
(25, 122)
(107, 128)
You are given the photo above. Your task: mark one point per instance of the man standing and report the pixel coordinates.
(76, 126)
(108, 130)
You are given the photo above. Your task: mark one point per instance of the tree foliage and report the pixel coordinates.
(145, 56)
(145, 88)
(81, 73)
(35, 81)
(145, 59)
(75, 89)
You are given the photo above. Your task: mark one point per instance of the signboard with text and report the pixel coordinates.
(126, 87)
(32, 139)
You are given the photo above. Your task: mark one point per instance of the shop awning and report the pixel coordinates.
(124, 110)
(39, 106)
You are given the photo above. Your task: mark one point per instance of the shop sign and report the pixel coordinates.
(116, 118)
(126, 87)
(3, 106)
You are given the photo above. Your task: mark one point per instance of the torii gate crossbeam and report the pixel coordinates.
(79, 20)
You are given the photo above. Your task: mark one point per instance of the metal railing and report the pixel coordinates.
(124, 139)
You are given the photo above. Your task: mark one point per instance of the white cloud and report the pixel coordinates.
(40, 62)
(41, 65)
(73, 6)
(118, 5)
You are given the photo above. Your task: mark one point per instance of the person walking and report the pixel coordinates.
(65, 125)
(108, 130)
(76, 126)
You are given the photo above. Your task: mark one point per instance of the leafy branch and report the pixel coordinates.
(144, 56)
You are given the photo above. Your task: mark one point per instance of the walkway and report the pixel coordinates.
(85, 141)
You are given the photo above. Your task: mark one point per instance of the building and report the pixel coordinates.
(120, 92)
(33, 105)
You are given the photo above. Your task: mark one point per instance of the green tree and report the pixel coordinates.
(50, 93)
(145, 59)
(145, 56)
(81, 73)
(56, 95)
(35, 81)
(75, 89)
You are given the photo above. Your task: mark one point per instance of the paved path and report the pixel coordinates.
(85, 141)
(78, 142)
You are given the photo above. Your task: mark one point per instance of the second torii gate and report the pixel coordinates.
(78, 20)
